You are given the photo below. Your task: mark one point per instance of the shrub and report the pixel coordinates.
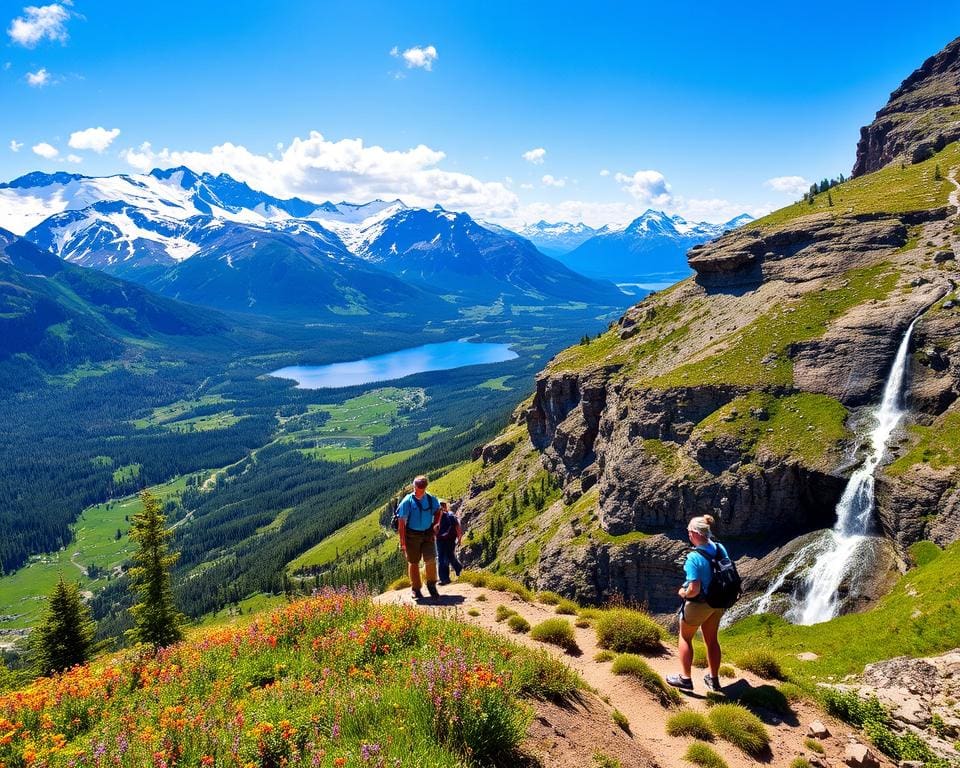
(590, 614)
(700, 754)
(473, 612)
(517, 623)
(814, 746)
(800, 762)
(556, 632)
(686, 722)
(548, 598)
(792, 693)
(739, 726)
(504, 613)
(482, 597)
(541, 676)
(629, 631)
(402, 583)
(727, 671)
(603, 656)
(765, 697)
(621, 720)
(849, 707)
(637, 667)
(762, 663)
(581, 623)
(567, 607)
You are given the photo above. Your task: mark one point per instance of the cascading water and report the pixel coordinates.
(855, 510)
(835, 555)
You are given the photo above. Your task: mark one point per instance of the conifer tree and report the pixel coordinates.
(65, 638)
(937, 173)
(156, 620)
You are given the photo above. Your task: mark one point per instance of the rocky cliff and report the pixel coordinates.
(741, 392)
(921, 118)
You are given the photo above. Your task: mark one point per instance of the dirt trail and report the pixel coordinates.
(647, 717)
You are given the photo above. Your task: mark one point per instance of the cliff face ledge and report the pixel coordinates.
(921, 117)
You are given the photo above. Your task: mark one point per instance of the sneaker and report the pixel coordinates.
(432, 589)
(712, 683)
(443, 583)
(679, 681)
(417, 594)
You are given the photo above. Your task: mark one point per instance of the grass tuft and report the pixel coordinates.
(762, 663)
(402, 583)
(548, 598)
(700, 754)
(518, 624)
(497, 583)
(503, 613)
(603, 656)
(582, 623)
(556, 632)
(814, 746)
(686, 722)
(700, 656)
(567, 607)
(541, 676)
(727, 671)
(739, 726)
(621, 720)
(637, 668)
(473, 612)
(629, 631)
(800, 762)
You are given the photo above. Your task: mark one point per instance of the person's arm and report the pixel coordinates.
(690, 589)
(436, 518)
(691, 586)
(459, 532)
(402, 527)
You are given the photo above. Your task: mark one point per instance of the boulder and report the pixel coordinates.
(817, 730)
(858, 755)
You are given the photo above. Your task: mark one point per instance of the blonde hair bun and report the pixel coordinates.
(708, 519)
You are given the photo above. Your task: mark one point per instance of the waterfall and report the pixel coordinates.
(832, 557)
(837, 554)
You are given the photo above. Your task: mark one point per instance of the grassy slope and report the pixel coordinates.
(920, 616)
(333, 680)
(890, 190)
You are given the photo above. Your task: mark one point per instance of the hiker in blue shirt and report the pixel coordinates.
(696, 613)
(418, 514)
(449, 534)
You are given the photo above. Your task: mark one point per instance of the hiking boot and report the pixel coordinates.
(432, 589)
(712, 683)
(417, 594)
(679, 681)
(443, 583)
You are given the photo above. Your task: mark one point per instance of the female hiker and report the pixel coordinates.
(696, 612)
(449, 534)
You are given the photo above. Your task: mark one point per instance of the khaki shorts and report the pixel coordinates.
(696, 613)
(420, 544)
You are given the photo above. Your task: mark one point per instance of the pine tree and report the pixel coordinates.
(156, 620)
(65, 638)
(829, 199)
(937, 173)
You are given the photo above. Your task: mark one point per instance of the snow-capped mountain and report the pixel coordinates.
(652, 244)
(217, 241)
(557, 239)
(453, 253)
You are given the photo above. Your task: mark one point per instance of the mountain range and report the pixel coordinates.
(215, 241)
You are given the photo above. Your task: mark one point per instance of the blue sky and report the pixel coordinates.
(691, 107)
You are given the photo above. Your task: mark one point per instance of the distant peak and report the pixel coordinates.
(41, 179)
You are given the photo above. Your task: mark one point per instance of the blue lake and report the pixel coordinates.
(396, 365)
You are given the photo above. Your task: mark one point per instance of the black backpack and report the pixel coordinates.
(432, 504)
(726, 585)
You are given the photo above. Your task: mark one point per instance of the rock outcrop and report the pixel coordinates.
(921, 117)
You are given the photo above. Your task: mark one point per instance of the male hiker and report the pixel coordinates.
(449, 534)
(417, 515)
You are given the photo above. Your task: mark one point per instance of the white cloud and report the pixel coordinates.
(551, 181)
(46, 151)
(526, 186)
(15, 146)
(38, 79)
(71, 158)
(646, 187)
(96, 139)
(417, 57)
(604, 172)
(790, 185)
(318, 169)
(716, 210)
(45, 22)
(535, 156)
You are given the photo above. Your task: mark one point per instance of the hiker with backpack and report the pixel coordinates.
(449, 535)
(417, 517)
(712, 585)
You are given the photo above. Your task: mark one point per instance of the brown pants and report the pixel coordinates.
(421, 544)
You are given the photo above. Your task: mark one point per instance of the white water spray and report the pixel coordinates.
(837, 554)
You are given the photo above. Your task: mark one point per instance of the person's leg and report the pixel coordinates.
(443, 557)
(457, 565)
(413, 562)
(711, 629)
(430, 562)
(685, 646)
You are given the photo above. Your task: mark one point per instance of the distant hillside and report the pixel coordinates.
(557, 239)
(653, 244)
